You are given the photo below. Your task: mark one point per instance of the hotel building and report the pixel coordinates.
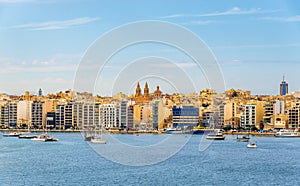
(185, 116)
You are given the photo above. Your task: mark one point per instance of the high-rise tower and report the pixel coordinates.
(284, 87)
(40, 92)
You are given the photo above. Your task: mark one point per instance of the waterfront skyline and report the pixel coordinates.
(254, 42)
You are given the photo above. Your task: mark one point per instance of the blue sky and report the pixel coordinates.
(255, 42)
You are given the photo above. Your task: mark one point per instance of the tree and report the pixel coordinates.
(261, 125)
(254, 128)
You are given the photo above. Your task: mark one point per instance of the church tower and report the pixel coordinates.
(146, 91)
(138, 91)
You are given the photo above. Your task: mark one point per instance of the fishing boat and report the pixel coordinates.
(12, 134)
(217, 135)
(251, 145)
(44, 138)
(287, 134)
(244, 138)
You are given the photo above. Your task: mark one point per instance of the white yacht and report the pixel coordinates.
(287, 134)
(12, 134)
(251, 145)
(174, 131)
(44, 138)
(98, 139)
(218, 135)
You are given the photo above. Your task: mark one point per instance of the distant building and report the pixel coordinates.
(206, 118)
(85, 115)
(68, 115)
(280, 121)
(279, 107)
(108, 115)
(142, 115)
(130, 117)
(294, 118)
(268, 113)
(9, 114)
(284, 88)
(37, 114)
(50, 120)
(78, 116)
(249, 117)
(123, 114)
(231, 114)
(60, 116)
(24, 113)
(253, 115)
(185, 117)
(157, 114)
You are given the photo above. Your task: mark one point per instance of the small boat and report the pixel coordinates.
(174, 131)
(44, 138)
(287, 134)
(218, 135)
(88, 137)
(27, 136)
(244, 138)
(98, 140)
(12, 134)
(97, 137)
(251, 145)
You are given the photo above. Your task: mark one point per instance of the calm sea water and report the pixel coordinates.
(71, 161)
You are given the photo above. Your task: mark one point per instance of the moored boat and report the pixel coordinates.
(244, 138)
(251, 145)
(27, 136)
(202, 130)
(44, 138)
(98, 140)
(287, 134)
(174, 131)
(88, 137)
(12, 134)
(218, 135)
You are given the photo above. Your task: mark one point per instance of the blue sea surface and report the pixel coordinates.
(71, 161)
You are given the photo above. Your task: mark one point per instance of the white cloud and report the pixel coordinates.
(232, 11)
(56, 25)
(56, 63)
(283, 19)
